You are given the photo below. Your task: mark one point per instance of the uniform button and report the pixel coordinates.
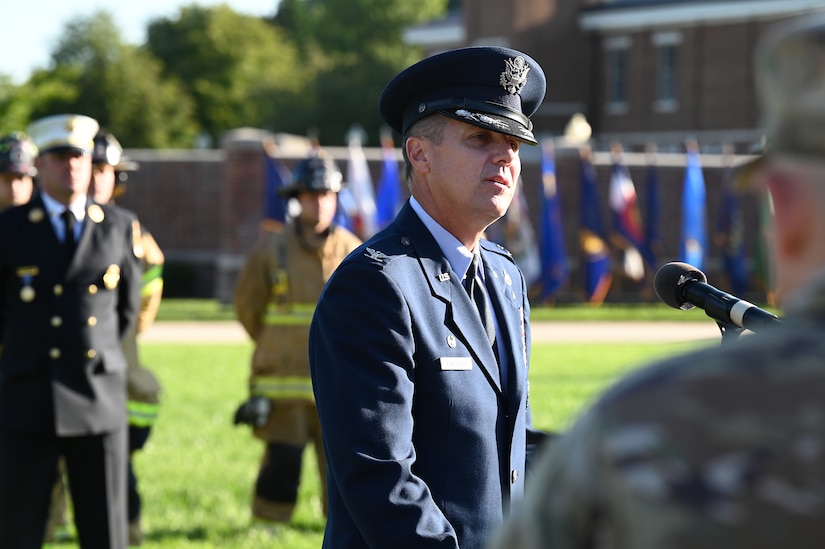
(58, 289)
(56, 321)
(514, 476)
(54, 353)
(92, 288)
(92, 321)
(91, 353)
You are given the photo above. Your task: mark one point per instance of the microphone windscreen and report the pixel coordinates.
(669, 279)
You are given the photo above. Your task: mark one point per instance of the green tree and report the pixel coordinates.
(94, 72)
(240, 70)
(357, 46)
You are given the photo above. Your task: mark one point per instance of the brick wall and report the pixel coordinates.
(205, 209)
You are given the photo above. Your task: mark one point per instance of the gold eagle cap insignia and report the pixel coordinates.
(375, 255)
(96, 213)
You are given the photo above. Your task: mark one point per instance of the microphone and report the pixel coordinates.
(683, 286)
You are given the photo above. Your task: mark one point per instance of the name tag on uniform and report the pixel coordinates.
(451, 363)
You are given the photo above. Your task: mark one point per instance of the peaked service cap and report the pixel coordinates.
(491, 87)
(64, 132)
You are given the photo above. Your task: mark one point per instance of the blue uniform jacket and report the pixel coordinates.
(424, 447)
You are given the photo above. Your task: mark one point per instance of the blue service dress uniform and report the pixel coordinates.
(426, 445)
(62, 370)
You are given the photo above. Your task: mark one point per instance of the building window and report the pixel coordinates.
(616, 49)
(667, 45)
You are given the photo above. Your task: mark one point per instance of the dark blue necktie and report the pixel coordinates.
(69, 221)
(475, 288)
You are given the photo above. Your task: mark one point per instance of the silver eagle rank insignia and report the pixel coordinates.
(375, 255)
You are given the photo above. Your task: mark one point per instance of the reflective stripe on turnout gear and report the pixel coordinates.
(142, 414)
(283, 387)
(151, 282)
(295, 314)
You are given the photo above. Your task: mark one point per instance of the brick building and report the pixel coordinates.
(642, 71)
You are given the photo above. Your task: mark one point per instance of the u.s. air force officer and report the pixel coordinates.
(69, 290)
(423, 408)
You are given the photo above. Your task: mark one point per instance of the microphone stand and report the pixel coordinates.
(715, 308)
(730, 331)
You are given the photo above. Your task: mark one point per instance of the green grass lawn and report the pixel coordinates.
(197, 471)
(211, 310)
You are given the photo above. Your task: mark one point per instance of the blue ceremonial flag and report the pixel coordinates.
(515, 232)
(388, 198)
(694, 230)
(730, 234)
(652, 215)
(554, 269)
(341, 215)
(276, 177)
(592, 236)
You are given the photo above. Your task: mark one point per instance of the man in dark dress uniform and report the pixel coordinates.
(69, 290)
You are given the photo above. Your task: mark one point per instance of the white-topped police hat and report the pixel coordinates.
(491, 87)
(73, 132)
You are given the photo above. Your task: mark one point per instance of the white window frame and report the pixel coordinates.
(667, 60)
(616, 53)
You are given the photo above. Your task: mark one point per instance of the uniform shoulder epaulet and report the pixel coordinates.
(496, 248)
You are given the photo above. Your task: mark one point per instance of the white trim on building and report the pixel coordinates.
(711, 13)
(445, 33)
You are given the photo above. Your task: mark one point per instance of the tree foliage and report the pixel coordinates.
(239, 70)
(357, 46)
(316, 66)
(95, 73)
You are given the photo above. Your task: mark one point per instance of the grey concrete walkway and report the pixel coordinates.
(556, 332)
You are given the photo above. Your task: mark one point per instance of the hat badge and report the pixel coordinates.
(514, 76)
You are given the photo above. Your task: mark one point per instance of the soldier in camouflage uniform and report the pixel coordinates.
(725, 447)
(274, 300)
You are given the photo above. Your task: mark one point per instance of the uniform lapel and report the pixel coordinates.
(462, 315)
(38, 216)
(506, 303)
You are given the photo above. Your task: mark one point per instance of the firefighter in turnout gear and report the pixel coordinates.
(17, 171)
(274, 301)
(109, 175)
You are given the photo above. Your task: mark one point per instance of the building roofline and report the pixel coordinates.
(640, 16)
(448, 31)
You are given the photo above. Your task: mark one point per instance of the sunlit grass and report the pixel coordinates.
(197, 471)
